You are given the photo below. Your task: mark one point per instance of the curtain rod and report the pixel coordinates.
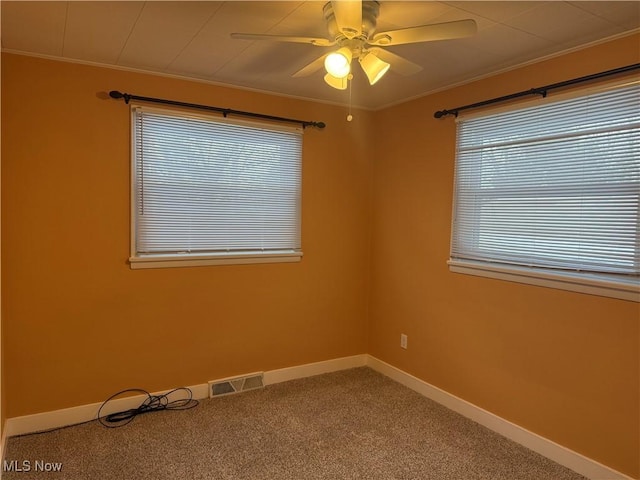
(539, 90)
(225, 111)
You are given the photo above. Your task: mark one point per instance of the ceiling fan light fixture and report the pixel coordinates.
(373, 67)
(338, 63)
(335, 82)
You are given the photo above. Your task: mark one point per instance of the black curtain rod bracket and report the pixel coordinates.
(224, 111)
(538, 91)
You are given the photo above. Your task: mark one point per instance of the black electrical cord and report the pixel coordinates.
(152, 403)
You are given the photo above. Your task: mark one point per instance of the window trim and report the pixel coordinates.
(169, 261)
(619, 286)
(150, 261)
(603, 285)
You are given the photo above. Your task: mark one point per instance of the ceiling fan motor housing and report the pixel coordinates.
(370, 11)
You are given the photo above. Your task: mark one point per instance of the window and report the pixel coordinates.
(549, 194)
(212, 190)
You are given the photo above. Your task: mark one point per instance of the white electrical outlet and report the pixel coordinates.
(403, 340)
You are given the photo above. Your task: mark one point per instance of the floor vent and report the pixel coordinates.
(228, 386)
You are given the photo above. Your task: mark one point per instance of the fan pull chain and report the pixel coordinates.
(350, 80)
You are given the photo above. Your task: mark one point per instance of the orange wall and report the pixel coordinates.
(562, 364)
(79, 324)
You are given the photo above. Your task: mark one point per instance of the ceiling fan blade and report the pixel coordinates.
(348, 15)
(425, 33)
(321, 42)
(313, 67)
(398, 64)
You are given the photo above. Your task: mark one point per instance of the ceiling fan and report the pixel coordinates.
(351, 25)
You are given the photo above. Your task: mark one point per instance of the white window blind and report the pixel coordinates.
(209, 186)
(555, 185)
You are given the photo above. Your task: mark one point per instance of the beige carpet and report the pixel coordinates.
(354, 424)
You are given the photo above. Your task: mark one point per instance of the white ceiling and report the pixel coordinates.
(191, 39)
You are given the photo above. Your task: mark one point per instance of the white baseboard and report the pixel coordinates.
(559, 454)
(311, 369)
(84, 413)
(3, 447)
(545, 447)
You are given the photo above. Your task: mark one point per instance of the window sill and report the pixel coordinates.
(171, 261)
(589, 283)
